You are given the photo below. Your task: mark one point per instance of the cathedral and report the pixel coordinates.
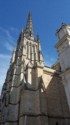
(35, 94)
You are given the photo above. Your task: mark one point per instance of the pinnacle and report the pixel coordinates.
(29, 27)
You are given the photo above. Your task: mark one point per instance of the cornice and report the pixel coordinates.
(66, 37)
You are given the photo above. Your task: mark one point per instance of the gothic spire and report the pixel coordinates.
(29, 27)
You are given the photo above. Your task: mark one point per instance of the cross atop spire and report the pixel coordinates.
(29, 27)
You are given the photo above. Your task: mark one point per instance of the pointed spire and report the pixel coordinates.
(29, 27)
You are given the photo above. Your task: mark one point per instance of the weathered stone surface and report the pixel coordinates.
(31, 102)
(11, 123)
(14, 95)
(0, 110)
(13, 113)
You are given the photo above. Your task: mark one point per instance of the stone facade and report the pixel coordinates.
(63, 48)
(32, 94)
(0, 109)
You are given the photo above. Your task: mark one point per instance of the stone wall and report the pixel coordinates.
(56, 101)
(0, 110)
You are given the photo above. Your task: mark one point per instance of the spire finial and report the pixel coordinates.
(29, 27)
(30, 15)
(38, 37)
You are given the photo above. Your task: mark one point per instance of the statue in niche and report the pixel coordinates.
(25, 74)
(41, 84)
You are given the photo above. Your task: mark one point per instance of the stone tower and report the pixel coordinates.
(63, 48)
(33, 94)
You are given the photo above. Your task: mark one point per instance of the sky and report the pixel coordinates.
(48, 15)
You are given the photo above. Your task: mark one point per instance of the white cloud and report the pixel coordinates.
(4, 64)
(7, 38)
(2, 56)
(8, 42)
(13, 29)
(9, 46)
(49, 61)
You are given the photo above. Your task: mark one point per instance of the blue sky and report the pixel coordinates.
(47, 18)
